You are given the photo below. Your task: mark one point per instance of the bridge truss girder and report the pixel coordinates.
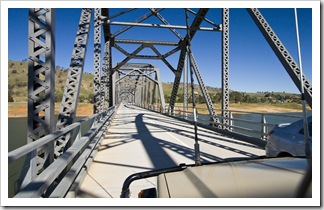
(134, 78)
(225, 67)
(73, 83)
(282, 53)
(41, 71)
(97, 99)
(41, 62)
(181, 45)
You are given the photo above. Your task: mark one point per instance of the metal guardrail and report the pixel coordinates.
(259, 129)
(70, 162)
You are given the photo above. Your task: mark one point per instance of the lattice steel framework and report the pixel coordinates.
(149, 44)
(73, 82)
(104, 77)
(133, 77)
(200, 16)
(97, 53)
(225, 67)
(41, 70)
(107, 71)
(282, 53)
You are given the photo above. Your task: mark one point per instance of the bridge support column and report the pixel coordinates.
(158, 79)
(105, 78)
(97, 56)
(41, 85)
(225, 68)
(185, 89)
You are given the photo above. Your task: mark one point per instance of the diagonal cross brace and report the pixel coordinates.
(183, 45)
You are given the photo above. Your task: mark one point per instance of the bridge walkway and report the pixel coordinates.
(139, 140)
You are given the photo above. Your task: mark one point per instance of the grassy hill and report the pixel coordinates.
(18, 78)
(18, 82)
(260, 101)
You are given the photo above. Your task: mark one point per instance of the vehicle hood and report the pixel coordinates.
(262, 178)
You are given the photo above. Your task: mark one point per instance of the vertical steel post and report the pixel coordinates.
(97, 102)
(104, 77)
(107, 61)
(146, 93)
(225, 68)
(185, 88)
(151, 91)
(264, 129)
(41, 85)
(158, 79)
(112, 88)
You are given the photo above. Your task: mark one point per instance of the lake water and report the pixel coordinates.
(17, 131)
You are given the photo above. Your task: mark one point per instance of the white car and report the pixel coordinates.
(288, 139)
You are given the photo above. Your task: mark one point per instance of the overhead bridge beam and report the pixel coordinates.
(282, 53)
(161, 26)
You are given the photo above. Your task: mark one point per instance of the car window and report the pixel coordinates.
(301, 131)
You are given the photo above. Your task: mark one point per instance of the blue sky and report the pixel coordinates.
(253, 65)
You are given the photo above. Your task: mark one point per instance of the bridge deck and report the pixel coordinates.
(140, 140)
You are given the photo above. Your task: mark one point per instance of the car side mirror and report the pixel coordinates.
(148, 193)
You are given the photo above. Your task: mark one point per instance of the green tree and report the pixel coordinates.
(91, 98)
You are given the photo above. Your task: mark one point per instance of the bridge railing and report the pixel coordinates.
(253, 124)
(48, 183)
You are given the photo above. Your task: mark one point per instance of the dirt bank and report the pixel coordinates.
(20, 109)
(85, 109)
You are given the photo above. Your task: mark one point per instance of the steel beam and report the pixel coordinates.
(41, 85)
(139, 20)
(97, 55)
(108, 70)
(203, 88)
(151, 25)
(185, 88)
(158, 79)
(104, 76)
(133, 54)
(147, 42)
(73, 83)
(141, 74)
(163, 20)
(162, 58)
(219, 27)
(225, 67)
(282, 53)
(151, 92)
(183, 45)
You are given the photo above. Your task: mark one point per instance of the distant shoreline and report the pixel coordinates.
(19, 109)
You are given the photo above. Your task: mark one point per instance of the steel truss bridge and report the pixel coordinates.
(58, 154)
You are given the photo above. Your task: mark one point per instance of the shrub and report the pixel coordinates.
(10, 98)
(21, 84)
(90, 98)
(58, 97)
